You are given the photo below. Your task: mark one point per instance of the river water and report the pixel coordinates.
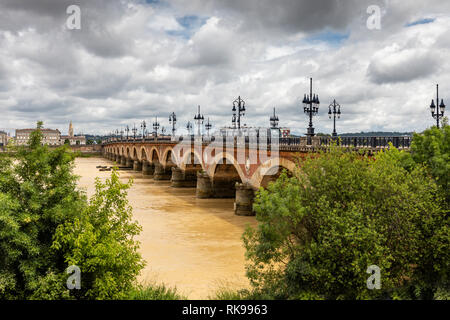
(193, 244)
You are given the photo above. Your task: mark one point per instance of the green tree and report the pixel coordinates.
(38, 199)
(432, 149)
(101, 243)
(342, 212)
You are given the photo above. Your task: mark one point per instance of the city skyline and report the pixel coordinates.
(135, 60)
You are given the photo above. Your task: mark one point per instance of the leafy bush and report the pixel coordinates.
(341, 212)
(154, 291)
(46, 224)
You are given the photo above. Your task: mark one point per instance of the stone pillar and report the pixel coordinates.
(137, 165)
(243, 205)
(129, 162)
(204, 185)
(161, 173)
(182, 179)
(117, 159)
(147, 168)
(123, 160)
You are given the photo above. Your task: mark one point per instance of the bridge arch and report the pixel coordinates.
(134, 154)
(270, 171)
(143, 154)
(230, 161)
(154, 155)
(188, 160)
(168, 157)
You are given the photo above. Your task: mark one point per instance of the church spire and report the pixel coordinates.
(70, 129)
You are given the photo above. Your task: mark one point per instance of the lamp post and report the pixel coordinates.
(199, 118)
(127, 130)
(332, 110)
(239, 106)
(117, 134)
(173, 121)
(143, 126)
(311, 107)
(189, 127)
(208, 127)
(274, 120)
(121, 134)
(134, 131)
(155, 127)
(437, 111)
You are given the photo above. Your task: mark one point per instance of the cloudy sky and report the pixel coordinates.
(134, 59)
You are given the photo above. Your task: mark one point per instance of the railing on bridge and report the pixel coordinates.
(287, 144)
(400, 142)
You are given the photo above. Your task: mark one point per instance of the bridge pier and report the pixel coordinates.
(182, 178)
(137, 165)
(129, 162)
(161, 173)
(123, 160)
(147, 168)
(204, 185)
(243, 205)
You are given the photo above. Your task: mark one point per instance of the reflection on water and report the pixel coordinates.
(194, 244)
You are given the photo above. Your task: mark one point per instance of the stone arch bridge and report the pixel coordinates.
(229, 168)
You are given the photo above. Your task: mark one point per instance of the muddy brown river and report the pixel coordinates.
(193, 244)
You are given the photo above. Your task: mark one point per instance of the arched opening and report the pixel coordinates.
(273, 174)
(224, 180)
(169, 159)
(135, 156)
(155, 157)
(143, 154)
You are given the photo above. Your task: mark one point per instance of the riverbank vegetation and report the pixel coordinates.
(341, 212)
(48, 225)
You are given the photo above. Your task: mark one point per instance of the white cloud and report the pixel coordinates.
(125, 65)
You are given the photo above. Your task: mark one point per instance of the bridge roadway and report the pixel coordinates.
(227, 167)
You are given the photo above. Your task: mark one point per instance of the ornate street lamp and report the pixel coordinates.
(274, 120)
(134, 131)
(199, 118)
(143, 126)
(332, 110)
(311, 107)
(189, 127)
(239, 106)
(173, 121)
(155, 127)
(121, 134)
(127, 129)
(208, 127)
(437, 111)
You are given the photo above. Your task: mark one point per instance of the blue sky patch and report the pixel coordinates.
(421, 21)
(330, 37)
(190, 24)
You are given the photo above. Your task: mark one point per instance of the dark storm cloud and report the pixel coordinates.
(290, 16)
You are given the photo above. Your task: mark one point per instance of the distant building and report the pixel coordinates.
(51, 137)
(3, 139)
(72, 139)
